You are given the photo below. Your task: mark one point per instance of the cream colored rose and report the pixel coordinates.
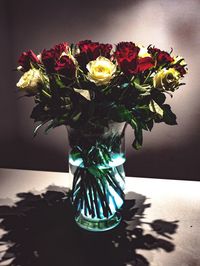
(30, 81)
(167, 79)
(101, 71)
(143, 52)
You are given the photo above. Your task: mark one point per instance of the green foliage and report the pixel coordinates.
(169, 117)
(120, 113)
(135, 124)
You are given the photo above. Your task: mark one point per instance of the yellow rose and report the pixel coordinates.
(101, 71)
(167, 79)
(30, 81)
(143, 52)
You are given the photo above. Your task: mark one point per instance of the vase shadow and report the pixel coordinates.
(40, 231)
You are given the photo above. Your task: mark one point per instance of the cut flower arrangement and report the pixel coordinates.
(96, 89)
(90, 84)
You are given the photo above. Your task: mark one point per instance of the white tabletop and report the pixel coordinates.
(168, 214)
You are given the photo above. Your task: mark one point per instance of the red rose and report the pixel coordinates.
(161, 57)
(136, 66)
(60, 48)
(126, 51)
(180, 69)
(125, 45)
(153, 50)
(88, 46)
(128, 67)
(90, 51)
(105, 49)
(144, 64)
(126, 55)
(128, 60)
(26, 58)
(66, 67)
(48, 59)
(164, 57)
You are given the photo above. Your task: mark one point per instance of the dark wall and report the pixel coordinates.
(168, 152)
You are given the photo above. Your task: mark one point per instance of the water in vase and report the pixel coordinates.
(98, 191)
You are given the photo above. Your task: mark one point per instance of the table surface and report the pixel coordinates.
(163, 230)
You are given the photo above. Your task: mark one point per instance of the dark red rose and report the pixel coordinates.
(26, 59)
(126, 55)
(128, 60)
(48, 59)
(60, 48)
(181, 69)
(125, 45)
(88, 46)
(129, 67)
(153, 50)
(164, 57)
(105, 49)
(90, 51)
(136, 66)
(161, 57)
(65, 67)
(126, 50)
(144, 64)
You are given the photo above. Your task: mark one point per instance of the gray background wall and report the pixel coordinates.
(168, 152)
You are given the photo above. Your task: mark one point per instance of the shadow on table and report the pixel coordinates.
(40, 231)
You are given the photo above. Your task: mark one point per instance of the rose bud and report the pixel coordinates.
(26, 59)
(180, 65)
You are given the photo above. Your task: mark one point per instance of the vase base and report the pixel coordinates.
(98, 225)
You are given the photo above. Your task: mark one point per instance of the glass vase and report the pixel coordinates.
(96, 159)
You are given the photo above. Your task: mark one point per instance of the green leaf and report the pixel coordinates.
(38, 127)
(84, 93)
(76, 116)
(137, 143)
(134, 123)
(144, 125)
(168, 116)
(159, 97)
(155, 108)
(150, 124)
(120, 113)
(144, 94)
(141, 87)
(50, 126)
(45, 93)
(39, 114)
(59, 82)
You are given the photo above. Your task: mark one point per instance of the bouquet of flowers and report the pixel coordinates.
(96, 89)
(89, 84)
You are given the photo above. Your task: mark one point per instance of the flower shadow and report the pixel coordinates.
(40, 231)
